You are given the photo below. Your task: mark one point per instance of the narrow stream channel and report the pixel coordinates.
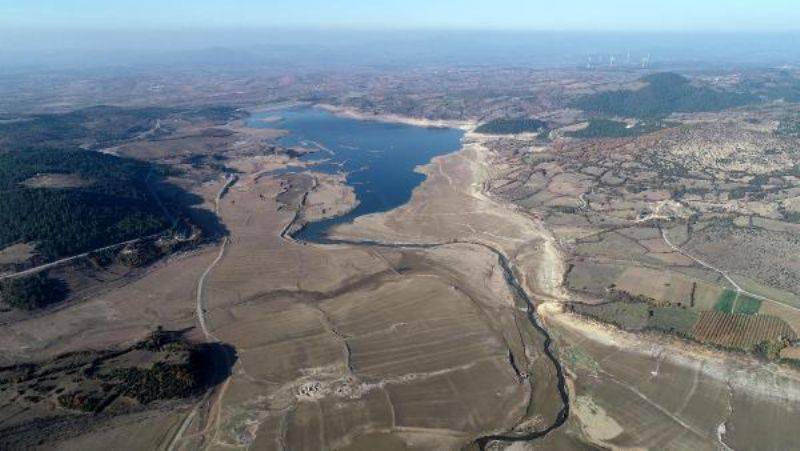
(379, 160)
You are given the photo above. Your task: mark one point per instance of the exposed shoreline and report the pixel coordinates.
(523, 292)
(545, 284)
(352, 113)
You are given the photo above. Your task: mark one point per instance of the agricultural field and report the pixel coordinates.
(610, 258)
(656, 286)
(740, 331)
(675, 202)
(640, 316)
(765, 256)
(733, 302)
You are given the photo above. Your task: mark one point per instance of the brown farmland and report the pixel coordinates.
(740, 331)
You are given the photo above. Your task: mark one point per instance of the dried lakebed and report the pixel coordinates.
(380, 161)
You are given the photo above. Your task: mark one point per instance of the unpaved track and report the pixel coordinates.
(200, 309)
(511, 278)
(739, 290)
(40, 268)
(201, 319)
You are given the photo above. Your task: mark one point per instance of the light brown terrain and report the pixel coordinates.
(656, 393)
(429, 326)
(364, 346)
(604, 390)
(336, 345)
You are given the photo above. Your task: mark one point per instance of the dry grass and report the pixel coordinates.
(16, 253)
(56, 181)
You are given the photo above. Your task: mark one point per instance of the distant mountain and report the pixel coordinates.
(665, 93)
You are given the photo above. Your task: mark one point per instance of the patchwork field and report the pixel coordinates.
(616, 282)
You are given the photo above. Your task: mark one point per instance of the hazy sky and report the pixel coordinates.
(636, 15)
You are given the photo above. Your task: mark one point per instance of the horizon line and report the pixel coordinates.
(386, 29)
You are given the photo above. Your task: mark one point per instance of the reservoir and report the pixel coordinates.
(378, 158)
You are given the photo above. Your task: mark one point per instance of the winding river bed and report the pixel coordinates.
(379, 161)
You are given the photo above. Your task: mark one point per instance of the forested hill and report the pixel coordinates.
(71, 201)
(100, 126)
(665, 93)
(511, 126)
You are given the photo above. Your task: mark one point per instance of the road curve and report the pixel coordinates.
(201, 314)
(723, 273)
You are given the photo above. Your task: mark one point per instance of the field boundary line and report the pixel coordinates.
(739, 290)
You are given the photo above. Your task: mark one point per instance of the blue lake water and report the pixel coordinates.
(378, 158)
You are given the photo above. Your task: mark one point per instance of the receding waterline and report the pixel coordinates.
(379, 158)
